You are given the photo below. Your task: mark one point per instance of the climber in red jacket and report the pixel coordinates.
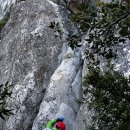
(56, 124)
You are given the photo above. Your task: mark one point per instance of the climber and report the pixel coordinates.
(56, 124)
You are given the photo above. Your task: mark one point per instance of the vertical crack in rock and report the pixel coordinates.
(59, 94)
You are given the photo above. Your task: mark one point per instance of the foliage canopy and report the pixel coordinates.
(110, 99)
(105, 27)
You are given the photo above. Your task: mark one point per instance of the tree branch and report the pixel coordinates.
(118, 20)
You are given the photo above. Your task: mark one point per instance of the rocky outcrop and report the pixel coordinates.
(5, 6)
(31, 59)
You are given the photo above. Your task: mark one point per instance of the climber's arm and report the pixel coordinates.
(51, 123)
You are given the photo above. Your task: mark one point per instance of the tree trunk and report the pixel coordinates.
(128, 1)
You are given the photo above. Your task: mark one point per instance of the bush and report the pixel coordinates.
(110, 100)
(3, 22)
(4, 94)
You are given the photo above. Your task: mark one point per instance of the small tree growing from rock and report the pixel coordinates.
(4, 94)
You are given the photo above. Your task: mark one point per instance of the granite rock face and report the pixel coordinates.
(5, 6)
(63, 91)
(34, 60)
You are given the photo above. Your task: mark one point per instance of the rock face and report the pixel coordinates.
(34, 61)
(63, 91)
(5, 6)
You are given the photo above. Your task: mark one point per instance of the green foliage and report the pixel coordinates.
(4, 94)
(91, 128)
(73, 40)
(110, 99)
(105, 26)
(3, 22)
(56, 27)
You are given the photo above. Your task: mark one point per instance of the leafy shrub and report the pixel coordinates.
(4, 94)
(105, 26)
(3, 22)
(110, 99)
